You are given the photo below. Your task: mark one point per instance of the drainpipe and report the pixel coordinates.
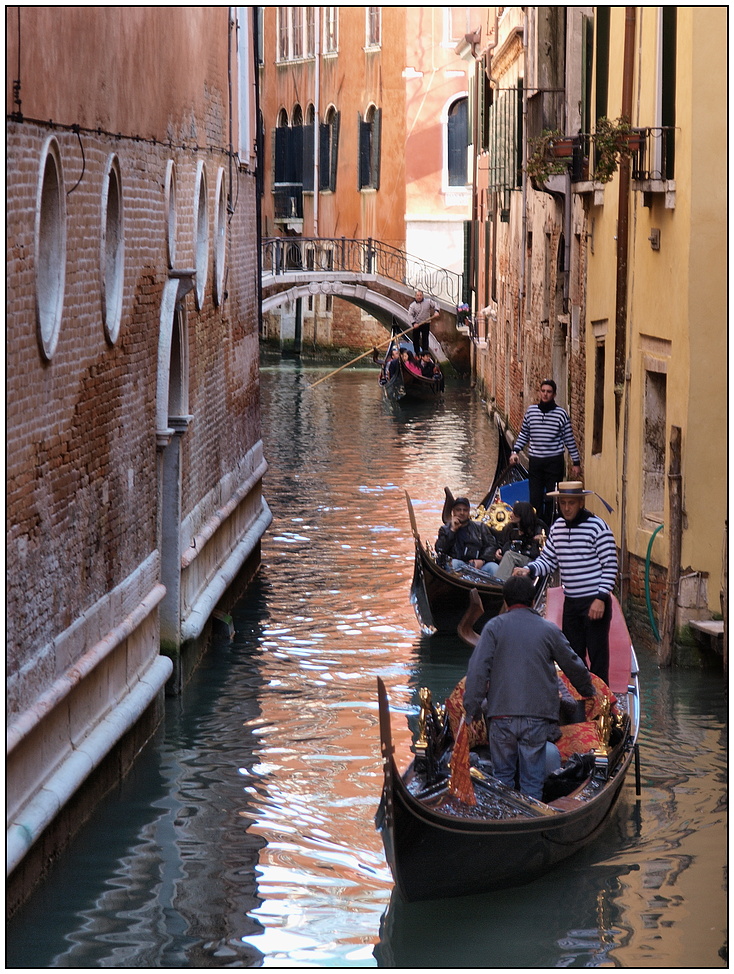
(621, 371)
(523, 242)
(259, 136)
(316, 141)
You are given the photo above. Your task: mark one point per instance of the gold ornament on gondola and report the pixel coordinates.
(498, 515)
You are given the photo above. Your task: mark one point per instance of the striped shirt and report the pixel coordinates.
(547, 433)
(586, 554)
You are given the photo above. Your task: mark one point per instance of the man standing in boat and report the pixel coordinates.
(463, 541)
(546, 431)
(581, 545)
(420, 313)
(513, 667)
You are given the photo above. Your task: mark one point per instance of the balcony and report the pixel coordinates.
(651, 151)
(288, 203)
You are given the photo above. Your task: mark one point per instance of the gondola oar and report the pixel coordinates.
(363, 355)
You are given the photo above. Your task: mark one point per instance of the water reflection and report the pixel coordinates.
(245, 834)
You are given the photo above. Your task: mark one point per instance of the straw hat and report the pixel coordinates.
(569, 488)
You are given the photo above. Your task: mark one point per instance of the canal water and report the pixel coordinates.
(244, 836)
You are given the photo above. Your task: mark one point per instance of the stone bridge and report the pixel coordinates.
(379, 279)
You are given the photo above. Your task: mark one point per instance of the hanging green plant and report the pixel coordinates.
(613, 140)
(548, 155)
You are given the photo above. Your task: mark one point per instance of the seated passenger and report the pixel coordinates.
(429, 368)
(409, 362)
(520, 541)
(392, 364)
(463, 541)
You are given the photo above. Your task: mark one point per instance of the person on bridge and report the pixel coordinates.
(420, 314)
(546, 431)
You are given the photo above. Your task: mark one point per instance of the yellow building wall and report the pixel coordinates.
(676, 297)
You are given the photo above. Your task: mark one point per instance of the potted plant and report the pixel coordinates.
(613, 140)
(549, 155)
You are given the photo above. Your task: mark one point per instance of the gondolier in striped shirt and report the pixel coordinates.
(546, 431)
(581, 545)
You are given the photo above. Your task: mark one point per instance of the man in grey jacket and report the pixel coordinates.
(513, 667)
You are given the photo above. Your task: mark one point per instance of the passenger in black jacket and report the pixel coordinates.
(463, 541)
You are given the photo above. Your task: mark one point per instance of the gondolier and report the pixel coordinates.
(420, 314)
(581, 545)
(513, 667)
(546, 432)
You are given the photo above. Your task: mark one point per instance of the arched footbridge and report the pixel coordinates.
(381, 280)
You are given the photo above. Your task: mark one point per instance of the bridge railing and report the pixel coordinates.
(286, 255)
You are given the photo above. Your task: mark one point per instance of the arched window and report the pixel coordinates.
(369, 148)
(458, 142)
(112, 251)
(220, 236)
(171, 213)
(50, 248)
(328, 149)
(201, 238)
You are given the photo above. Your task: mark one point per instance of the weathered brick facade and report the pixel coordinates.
(134, 459)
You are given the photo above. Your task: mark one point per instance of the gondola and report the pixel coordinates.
(438, 846)
(405, 384)
(440, 597)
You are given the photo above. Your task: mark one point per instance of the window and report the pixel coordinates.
(668, 52)
(297, 32)
(220, 237)
(458, 23)
(50, 248)
(458, 142)
(597, 436)
(374, 19)
(201, 239)
(653, 457)
(602, 61)
(310, 31)
(369, 148)
(328, 150)
(289, 167)
(283, 33)
(331, 30)
(308, 151)
(112, 251)
(170, 205)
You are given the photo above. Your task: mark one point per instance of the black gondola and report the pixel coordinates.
(404, 384)
(437, 846)
(440, 597)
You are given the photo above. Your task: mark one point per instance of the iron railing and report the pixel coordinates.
(338, 255)
(652, 158)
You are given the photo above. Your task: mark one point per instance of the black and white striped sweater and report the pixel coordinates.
(547, 432)
(585, 552)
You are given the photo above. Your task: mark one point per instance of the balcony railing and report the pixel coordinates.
(652, 156)
(318, 255)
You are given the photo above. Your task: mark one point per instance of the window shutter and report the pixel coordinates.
(376, 146)
(280, 141)
(365, 130)
(324, 156)
(308, 158)
(334, 151)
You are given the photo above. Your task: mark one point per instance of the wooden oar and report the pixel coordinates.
(381, 345)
